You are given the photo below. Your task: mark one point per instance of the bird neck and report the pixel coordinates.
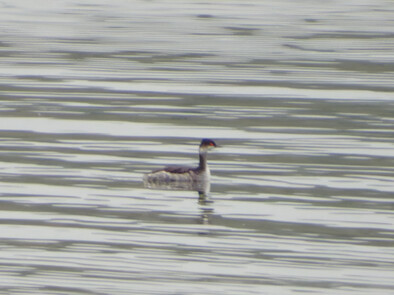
(203, 161)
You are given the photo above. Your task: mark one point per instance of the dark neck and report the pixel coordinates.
(203, 161)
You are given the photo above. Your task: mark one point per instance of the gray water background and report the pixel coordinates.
(94, 94)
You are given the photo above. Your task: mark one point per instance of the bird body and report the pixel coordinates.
(185, 174)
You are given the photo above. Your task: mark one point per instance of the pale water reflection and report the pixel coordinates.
(94, 95)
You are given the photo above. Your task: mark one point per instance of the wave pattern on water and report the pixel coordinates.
(299, 96)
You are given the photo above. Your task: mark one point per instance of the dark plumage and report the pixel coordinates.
(176, 173)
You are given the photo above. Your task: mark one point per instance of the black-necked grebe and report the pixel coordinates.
(185, 174)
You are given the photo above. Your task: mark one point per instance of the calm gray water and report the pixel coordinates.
(96, 93)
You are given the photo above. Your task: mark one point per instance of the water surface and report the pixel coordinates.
(299, 95)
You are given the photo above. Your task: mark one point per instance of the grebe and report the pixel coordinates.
(185, 174)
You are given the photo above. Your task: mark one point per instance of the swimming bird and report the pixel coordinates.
(185, 174)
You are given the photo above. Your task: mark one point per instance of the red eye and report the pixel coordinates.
(211, 144)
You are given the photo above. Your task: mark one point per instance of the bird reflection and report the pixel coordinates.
(203, 188)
